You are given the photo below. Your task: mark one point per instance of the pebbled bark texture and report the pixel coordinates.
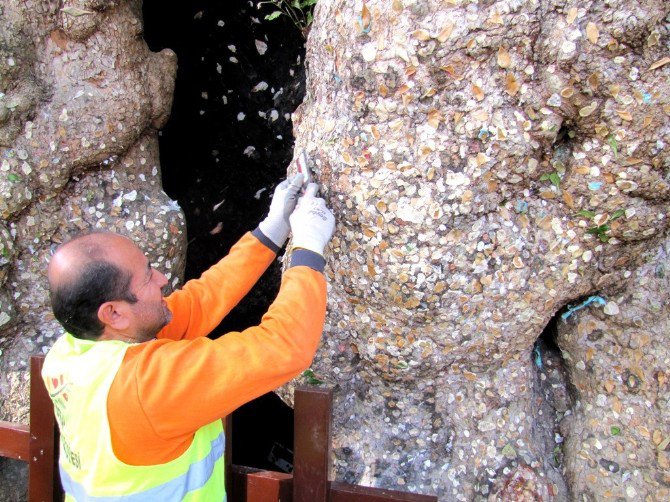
(494, 165)
(81, 99)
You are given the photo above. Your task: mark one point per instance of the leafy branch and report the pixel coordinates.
(600, 231)
(300, 12)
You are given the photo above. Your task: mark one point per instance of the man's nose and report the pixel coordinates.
(162, 281)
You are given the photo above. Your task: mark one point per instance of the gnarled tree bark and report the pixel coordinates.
(490, 163)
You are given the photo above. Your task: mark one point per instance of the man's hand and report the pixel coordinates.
(276, 225)
(312, 222)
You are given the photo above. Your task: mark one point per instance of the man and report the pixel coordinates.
(138, 388)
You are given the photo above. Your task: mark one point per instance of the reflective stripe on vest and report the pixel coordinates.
(174, 490)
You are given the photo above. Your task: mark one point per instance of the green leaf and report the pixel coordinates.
(311, 379)
(274, 15)
(13, 177)
(310, 18)
(613, 144)
(599, 231)
(296, 4)
(618, 213)
(616, 431)
(586, 214)
(554, 178)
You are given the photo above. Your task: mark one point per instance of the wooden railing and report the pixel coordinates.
(37, 445)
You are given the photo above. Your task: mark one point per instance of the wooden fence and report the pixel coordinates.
(37, 445)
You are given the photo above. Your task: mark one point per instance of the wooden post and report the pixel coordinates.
(43, 477)
(256, 485)
(311, 453)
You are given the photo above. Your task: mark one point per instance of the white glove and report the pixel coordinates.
(312, 223)
(276, 226)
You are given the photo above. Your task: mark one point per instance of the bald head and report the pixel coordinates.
(69, 258)
(83, 274)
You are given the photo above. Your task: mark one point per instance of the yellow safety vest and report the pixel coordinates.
(78, 374)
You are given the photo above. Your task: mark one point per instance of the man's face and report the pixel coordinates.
(150, 313)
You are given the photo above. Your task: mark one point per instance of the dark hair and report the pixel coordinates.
(75, 303)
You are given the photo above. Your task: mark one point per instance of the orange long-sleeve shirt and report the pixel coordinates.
(167, 388)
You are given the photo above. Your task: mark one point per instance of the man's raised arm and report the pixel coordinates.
(202, 303)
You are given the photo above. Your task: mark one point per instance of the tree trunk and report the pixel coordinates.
(490, 163)
(81, 99)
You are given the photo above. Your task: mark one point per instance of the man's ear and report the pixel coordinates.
(114, 315)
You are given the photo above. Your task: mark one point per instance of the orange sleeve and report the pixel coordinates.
(202, 303)
(165, 390)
